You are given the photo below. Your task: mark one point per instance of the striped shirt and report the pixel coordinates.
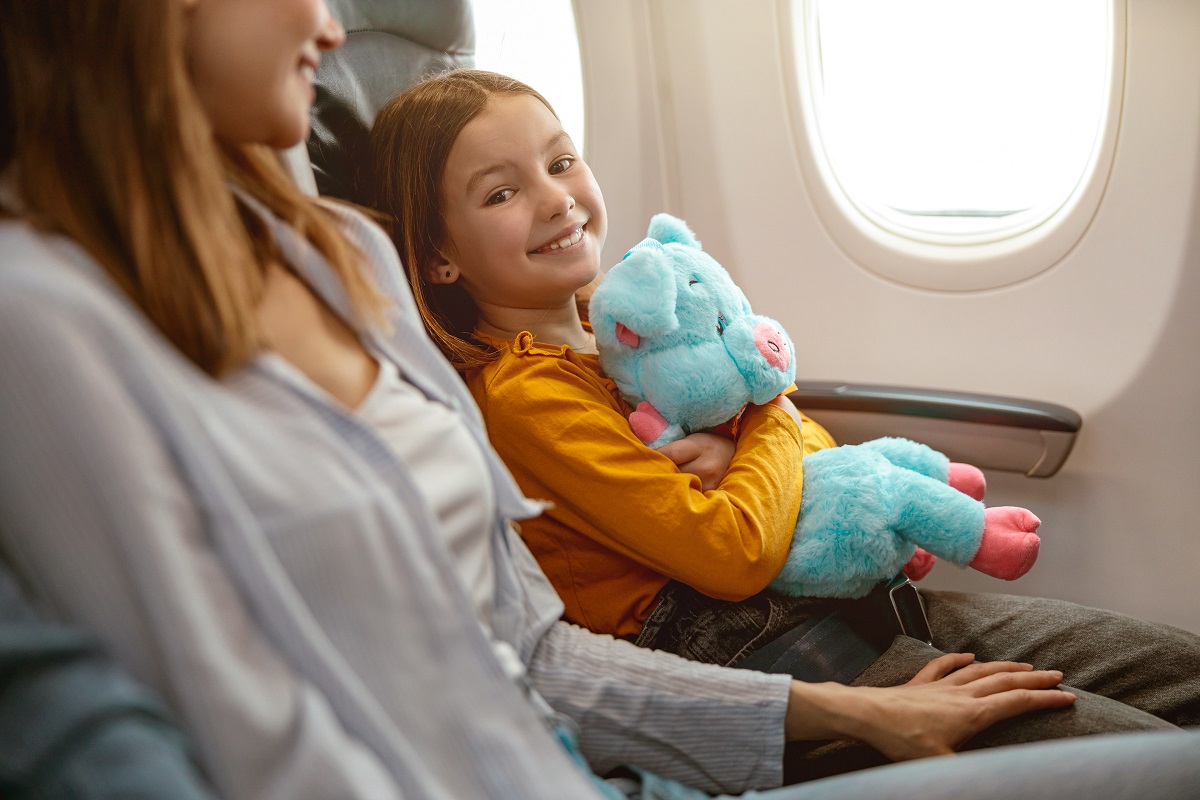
(263, 559)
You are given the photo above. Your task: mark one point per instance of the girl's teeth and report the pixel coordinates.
(566, 241)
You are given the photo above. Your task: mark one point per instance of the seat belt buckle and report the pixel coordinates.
(909, 609)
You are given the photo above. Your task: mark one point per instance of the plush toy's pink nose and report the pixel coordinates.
(772, 345)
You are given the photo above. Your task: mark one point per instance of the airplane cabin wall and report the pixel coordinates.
(689, 112)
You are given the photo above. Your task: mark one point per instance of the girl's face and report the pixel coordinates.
(252, 65)
(525, 220)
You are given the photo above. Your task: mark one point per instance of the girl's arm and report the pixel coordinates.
(565, 438)
(708, 455)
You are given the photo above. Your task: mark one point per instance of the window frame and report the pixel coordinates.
(1031, 244)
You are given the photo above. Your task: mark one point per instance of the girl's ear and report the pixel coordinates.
(441, 270)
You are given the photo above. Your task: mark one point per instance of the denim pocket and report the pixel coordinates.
(701, 628)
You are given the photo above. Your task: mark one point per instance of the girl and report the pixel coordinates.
(500, 223)
(231, 451)
(507, 224)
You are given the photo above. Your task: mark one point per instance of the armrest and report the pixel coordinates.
(991, 432)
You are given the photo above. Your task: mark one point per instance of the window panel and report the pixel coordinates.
(535, 41)
(972, 119)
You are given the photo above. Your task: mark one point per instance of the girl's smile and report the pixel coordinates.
(563, 244)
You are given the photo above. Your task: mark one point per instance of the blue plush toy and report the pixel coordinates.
(685, 349)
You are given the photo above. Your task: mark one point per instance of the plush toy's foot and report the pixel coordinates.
(919, 565)
(1010, 544)
(967, 479)
(647, 423)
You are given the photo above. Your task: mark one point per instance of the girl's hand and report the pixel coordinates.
(950, 700)
(705, 455)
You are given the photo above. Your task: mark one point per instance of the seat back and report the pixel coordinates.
(390, 44)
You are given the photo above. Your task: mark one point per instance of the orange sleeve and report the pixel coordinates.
(815, 437)
(566, 439)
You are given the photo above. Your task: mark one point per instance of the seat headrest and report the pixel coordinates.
(390, 44)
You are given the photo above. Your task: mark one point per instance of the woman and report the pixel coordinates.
(199, 463)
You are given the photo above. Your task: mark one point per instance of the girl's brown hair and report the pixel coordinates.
(111, 148)
(410, 142)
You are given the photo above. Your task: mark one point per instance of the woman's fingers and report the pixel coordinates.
(1007, 681)
(973, 672)
(942, 666)
(960, 669)
(950, 700)
(1011, 702)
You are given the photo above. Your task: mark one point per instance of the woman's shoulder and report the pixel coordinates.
(54, 294)
(43, 272)
(25, 251)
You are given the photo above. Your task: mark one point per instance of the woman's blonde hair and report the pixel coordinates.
(112, 149)
(410, 142)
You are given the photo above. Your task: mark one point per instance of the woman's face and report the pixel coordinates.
(252, 64)
(525, 220)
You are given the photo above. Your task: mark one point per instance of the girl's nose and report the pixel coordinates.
(558, 203)
(331, 35)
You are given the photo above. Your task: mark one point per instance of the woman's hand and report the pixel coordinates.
(950, 700)
(705, 455)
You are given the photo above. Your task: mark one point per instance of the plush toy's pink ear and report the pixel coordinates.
(627, 336)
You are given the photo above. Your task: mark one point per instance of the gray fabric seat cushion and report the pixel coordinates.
(390, 44)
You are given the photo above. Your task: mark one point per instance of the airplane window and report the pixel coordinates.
(535, 41)
(958, 121)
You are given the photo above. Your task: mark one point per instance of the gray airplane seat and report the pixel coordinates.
(389, 45)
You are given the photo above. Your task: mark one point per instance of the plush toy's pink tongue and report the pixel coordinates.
(627, 336)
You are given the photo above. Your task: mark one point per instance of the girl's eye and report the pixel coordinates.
(561, 166)
(500, 197)
(720, 325)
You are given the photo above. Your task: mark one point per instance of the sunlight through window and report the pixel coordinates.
(965, 118)
(535, 42)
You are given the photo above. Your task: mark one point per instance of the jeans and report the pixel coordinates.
(700, 628)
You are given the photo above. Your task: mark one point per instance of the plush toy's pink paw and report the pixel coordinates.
(967, 479)
(647, 423)
(919, 565)
(1010, 544)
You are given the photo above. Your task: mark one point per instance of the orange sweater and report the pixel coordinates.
(624, 519)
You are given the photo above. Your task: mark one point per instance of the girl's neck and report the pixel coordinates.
(553, 326)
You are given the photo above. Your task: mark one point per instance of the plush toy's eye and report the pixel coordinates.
(720, 325)
(693, 282)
